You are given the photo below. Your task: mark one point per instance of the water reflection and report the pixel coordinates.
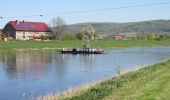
(41, 72)
(25, 63)
(88, 60)
(58, 65)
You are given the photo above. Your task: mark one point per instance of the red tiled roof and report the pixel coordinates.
(29, 26)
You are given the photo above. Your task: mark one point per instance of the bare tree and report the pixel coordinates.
(58, 27)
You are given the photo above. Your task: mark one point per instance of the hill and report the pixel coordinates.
(156, 26)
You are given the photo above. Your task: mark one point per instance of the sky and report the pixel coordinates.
(25, 9)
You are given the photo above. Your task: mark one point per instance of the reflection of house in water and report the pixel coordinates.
(37, 58)
(25, 62)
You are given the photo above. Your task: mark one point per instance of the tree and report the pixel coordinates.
(42, 38)
(151, 36)
(69, 37)
(79, 35)
(58, 26)
(2, 37)
(163, 37)
(89, 32)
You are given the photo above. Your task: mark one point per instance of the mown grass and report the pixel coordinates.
(13, 45)
(149, 83)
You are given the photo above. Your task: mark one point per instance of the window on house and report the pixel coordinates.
(23, 36)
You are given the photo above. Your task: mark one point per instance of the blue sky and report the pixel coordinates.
(12, 8)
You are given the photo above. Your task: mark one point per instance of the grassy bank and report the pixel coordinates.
(150, 83)
(13, 45)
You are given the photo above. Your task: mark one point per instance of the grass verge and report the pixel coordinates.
(149, 83)
(29, 45)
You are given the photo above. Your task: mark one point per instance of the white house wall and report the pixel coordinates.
(23, 35)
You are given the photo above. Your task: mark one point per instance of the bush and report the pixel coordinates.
(69, 37)
(79, 35)
(151, 36)
(163, 37)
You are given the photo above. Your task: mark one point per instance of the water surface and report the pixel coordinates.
(33, 73)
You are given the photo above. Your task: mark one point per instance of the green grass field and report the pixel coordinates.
(150, 83)
(13, 45)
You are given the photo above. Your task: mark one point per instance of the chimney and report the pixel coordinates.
(16, 21)
(23, 21)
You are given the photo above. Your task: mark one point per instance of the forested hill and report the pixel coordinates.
(155, 26)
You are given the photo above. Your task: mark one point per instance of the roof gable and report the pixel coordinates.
(29, 26)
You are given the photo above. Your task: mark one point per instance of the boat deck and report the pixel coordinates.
(81, 51)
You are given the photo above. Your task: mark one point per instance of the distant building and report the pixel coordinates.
(119, 36)
(21, 30)
(102, 36)
(131, 35)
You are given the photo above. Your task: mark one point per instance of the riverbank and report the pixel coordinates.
(151, 82)
(38, 45)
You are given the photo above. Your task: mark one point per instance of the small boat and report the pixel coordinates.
(84, 50)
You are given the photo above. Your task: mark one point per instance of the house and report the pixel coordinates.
(119, 36)
(131, 35)
(22, 30)
(102, 36)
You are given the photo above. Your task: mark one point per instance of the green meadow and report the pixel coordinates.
(18, 45)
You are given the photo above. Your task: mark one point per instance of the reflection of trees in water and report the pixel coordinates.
(59, 65)
(10, 62)
(25, 62)
(8, 57)
(88, 60)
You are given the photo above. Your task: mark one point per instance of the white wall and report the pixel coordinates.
(23, 35)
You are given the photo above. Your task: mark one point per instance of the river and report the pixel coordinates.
(33, 73)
